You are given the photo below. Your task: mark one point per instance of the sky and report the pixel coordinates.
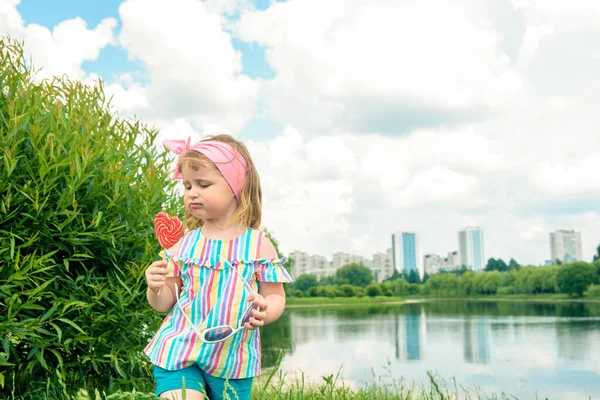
(364, 117)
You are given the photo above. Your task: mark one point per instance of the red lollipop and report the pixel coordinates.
(168, 229)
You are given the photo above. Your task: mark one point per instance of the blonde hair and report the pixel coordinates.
(249, 211)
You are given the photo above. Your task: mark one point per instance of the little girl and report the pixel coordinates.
(220, 282)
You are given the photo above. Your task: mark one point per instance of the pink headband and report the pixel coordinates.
(232, 165)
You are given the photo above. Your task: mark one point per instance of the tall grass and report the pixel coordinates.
(277, 385)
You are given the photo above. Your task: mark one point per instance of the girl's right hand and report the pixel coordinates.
(156, 275)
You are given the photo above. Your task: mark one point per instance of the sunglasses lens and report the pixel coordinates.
(217, 334)
(248, 314)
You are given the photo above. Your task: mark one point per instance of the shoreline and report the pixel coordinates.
(526, 299)
(347, 304)
(351, 302)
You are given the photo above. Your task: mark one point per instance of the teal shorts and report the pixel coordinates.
(196, 379)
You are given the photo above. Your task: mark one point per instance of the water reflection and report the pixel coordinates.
(476, 341)
(548, 349)
(409, 335)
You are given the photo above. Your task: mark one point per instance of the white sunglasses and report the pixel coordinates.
(222, 332)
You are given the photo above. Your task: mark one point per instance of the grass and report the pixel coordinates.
(277, 385)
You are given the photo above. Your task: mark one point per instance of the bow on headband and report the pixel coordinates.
(230, 163)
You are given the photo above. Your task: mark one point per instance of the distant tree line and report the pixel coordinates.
(498, 278)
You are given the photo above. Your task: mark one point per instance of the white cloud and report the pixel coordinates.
(128, 98)
(357, 64)
(350, 191)
(192, 68)
(10, 19)
(531, 41)
(497, 81)
(59, 51)
(438, 184)
(385, 184)
(577, 12)
(414, 115)
(576, 177)
(296, 198)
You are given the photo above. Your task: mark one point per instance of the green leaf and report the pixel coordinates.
(58, 330)
(39, 355)
(32, 306)
(73, 324)
(58, 357)
(50, 312)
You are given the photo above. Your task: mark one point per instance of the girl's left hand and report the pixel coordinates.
(260, 315)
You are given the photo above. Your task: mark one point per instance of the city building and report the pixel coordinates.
(341, 259)
(452, 261)
(310, 264)
(432, 264)
(382, 266)
(470, 247)
(405, 253)
(565, 245)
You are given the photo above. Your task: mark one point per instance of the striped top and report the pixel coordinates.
(212, 294)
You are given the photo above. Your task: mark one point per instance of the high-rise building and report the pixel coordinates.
(405, 253)
(565, 245)
(470, 248)
(382, 266)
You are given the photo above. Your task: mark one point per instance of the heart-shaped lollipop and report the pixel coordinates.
(168, 229)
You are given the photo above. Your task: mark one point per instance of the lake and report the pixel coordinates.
(519, 348)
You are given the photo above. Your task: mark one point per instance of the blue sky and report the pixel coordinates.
(112, 59)
(366, 118)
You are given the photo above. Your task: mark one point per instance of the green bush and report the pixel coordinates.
(78, 192)
(372, 290)
(304, 282)
(592, 291)
(347, 290)
(573, 279)
(327, 291)
(505, 290)
(414, 289)
(400, 287)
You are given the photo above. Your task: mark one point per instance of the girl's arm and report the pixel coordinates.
(272, 297)
(161, 289)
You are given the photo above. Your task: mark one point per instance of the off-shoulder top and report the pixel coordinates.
(212, 294)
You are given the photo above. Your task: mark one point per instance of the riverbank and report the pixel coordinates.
(307, 302)
(310, 302)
